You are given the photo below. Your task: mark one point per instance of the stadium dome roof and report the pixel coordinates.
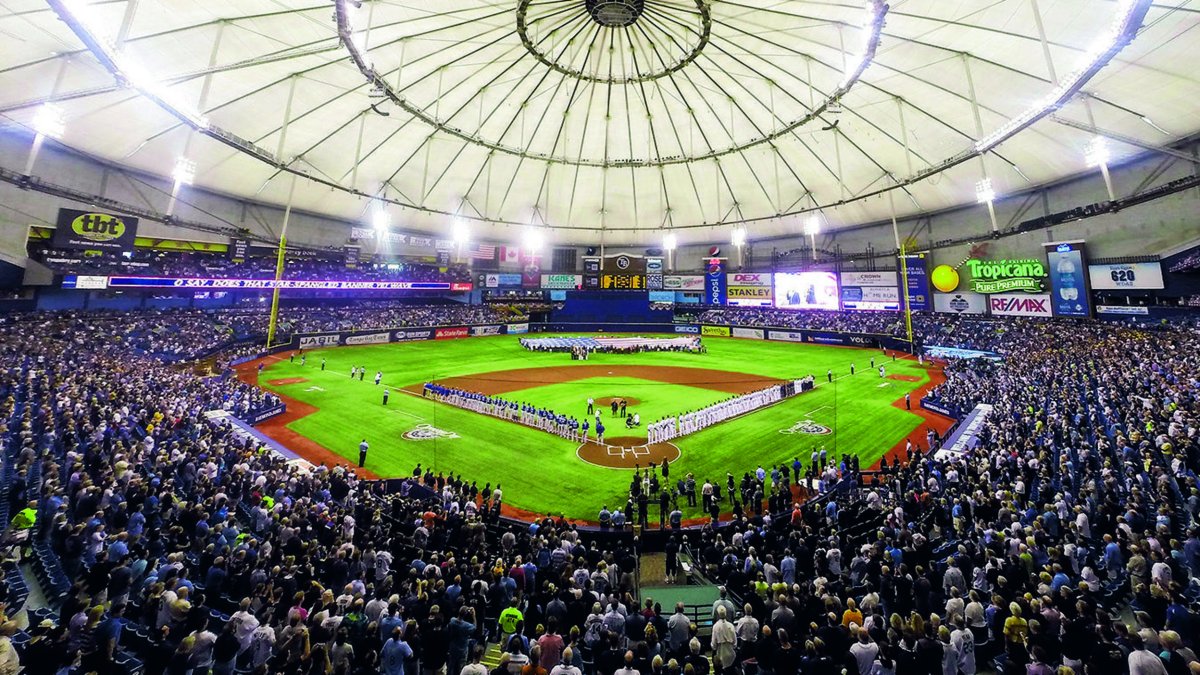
(633, 115)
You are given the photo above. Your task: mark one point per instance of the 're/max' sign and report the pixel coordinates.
(1016, 304)
(1004, 276)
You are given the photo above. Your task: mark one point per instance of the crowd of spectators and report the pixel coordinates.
(185, 334)
(963, 331)
(198, 551)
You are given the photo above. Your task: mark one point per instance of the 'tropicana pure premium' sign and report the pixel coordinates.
(1005, 276)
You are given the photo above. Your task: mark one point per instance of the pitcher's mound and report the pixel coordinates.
(607, 401)
(626, 452)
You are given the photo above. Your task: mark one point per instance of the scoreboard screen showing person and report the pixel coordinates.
(806, 290)
(622, 282)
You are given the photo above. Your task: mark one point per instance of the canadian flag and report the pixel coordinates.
(510, 254)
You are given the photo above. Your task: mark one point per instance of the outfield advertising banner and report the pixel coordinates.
(692, 330)
(321, 340)
(745, 289)
(558, 296)
(368, 339)
(785, 335)
(676, 282)
(843, 339)
(1068, 278)
(876, 298)
(1020, 304)
(715, 331)
(1131, 276)
(94, 230)
(662, 296)
(516, 328)
(869, 279)
(806, 290)
(410, 335)
(450, 333)
(1122, 310)
(751, 333)
(714, 288)
(870, 291)
(654, 274)
(562, 281)
(479, 331)
(917, 274)
(959, 303)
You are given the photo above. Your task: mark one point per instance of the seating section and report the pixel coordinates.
(1067, 536)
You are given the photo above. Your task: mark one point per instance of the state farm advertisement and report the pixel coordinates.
(449, 333)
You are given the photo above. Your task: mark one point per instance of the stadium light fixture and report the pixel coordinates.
(78, 16)
(380, 219)
(739, 237)
(49, 122)
(459, 232)
(534, 240)
(185, 171)
(812, 227)
(984, 192)
(669, 242)
(1096, 152)
(1096, 155)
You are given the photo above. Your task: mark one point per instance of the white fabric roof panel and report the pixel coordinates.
(543, 130)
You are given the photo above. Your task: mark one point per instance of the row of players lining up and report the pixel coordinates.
(521, 413)
(688, 423)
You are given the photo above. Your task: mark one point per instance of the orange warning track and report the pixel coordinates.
(276, 427)
(939, 423)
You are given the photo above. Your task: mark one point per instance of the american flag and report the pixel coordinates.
(481, 252)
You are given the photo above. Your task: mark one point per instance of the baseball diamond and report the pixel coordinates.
(332, 411)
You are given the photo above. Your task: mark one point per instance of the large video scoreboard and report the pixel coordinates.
(622, 272)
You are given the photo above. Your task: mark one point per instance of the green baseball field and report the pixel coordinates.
(861, 414)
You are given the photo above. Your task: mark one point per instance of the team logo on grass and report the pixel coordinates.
(807, 427)
(427, 432)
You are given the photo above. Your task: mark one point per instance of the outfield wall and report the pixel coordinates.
(414, 334)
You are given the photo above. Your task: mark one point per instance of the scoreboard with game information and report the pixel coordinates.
(622, 272)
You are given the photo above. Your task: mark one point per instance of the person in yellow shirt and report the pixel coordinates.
(1015, 629)
(852, 615)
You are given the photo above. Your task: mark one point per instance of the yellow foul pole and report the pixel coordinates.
(287, 214)
(904, 284)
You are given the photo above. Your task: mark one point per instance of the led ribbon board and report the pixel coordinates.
(283, 284)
